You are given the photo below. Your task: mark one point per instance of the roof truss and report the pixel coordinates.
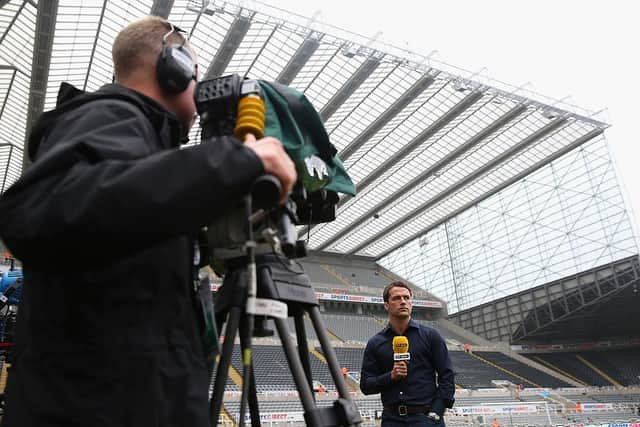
(422, 140)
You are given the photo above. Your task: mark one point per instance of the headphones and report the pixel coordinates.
(175, 68)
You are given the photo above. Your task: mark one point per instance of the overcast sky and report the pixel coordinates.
(587, 50)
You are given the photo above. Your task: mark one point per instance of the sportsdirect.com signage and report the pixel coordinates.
(328, 296)
(605, 425)
(372, 300)
(497, 409)
(278, 417)
(597, 406)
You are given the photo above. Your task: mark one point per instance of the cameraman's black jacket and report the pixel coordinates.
(104, 221)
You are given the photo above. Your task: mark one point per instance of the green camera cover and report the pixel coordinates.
(291, 118)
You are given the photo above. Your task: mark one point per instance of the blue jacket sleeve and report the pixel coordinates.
(373, 381)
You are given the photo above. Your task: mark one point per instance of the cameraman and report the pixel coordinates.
(105, 223)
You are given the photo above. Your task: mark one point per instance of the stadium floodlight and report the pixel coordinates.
(460, 85)
(549, 113)
(350, 51)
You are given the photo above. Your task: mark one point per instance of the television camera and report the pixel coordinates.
(255, 244)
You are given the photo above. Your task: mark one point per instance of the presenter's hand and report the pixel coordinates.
(275, 160)
(399, 371)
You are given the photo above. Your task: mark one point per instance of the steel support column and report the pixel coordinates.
(228, 48)
(161, 8)
(405, 99)
(43, 42)
(350, 86)
(299, 58)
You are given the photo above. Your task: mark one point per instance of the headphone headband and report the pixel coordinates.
(173, 29)
(175, 68)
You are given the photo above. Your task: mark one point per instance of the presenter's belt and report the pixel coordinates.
(403, 410)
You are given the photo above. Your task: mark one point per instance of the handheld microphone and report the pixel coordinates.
(401, 349)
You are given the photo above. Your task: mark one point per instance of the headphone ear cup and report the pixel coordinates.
(174, 69)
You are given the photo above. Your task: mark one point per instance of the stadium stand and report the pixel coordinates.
(352, 327)
(362, 276)
(617, 398)
(617, 367)
(606, 418)
(622, 365)
(545, 412)
(524, 420)
(583, 398)
(444, 331)
(320, 370)
(308, 327)
(569, 363)
(470, 401)
(477, 370)
(350, 358)
(449, 333)
(270, 368)
(321, 278)
(534, 375)
(472, 372)
(484, 368)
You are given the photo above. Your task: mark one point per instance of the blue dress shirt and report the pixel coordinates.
(430, 376)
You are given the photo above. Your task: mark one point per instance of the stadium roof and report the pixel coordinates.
(596, 304)
(421, 139)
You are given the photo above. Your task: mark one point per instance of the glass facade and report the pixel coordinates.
(565, 218)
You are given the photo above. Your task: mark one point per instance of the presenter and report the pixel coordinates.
(409, 365)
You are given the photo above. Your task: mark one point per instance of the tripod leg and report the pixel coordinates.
(306, 395)
(248, 378)
(253, 403)
(329, 354)
(223, 364)
(303, 350)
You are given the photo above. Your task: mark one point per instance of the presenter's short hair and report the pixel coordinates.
(396, 284)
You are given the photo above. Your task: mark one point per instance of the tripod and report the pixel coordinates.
(277, 281)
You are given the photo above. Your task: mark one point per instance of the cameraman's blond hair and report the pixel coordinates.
(139, 44)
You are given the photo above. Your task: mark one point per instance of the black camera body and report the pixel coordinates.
(222, 105)
(217, 103)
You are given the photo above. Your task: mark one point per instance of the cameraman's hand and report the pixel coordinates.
(275, 161)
